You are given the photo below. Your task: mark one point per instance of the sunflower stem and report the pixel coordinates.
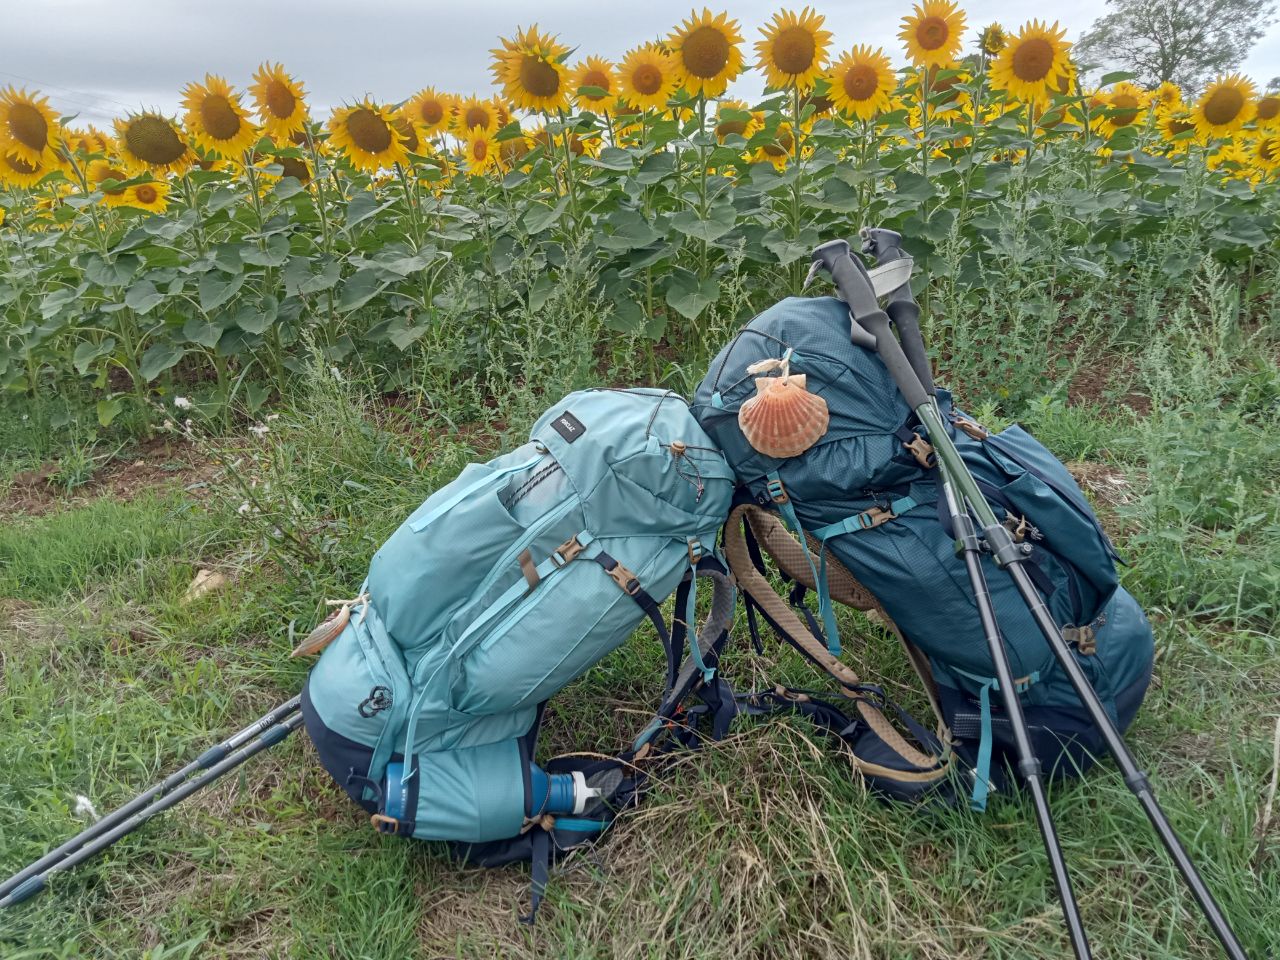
(798, 266)
(192, 195)
(570, 184)
(702, 181)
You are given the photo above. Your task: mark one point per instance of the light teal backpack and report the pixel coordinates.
(499, 590)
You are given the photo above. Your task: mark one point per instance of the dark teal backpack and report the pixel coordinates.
(866, 495)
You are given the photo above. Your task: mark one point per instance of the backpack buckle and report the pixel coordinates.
(566, 552)
(384, 824)
(876, 516)
(970, 428)
(625, 579)
(777, 492)
(922, 450)
(696, 551)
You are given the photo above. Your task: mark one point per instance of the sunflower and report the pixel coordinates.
(778, 150)
(1125, 106)
(932, 33)
(647, 76)
(512, 151)
(152, 197)
(475, 114)
(734, 118)
(88, 142)
(280, 100)
(1226, 105)
(408, 131)
(1265, 152)
(992, 39)
(480, 151)
(706, 53)
(1232, 158)
(861, 82)
(531, 70)
(100, 172)
(593, 72)
(1173, 125)
(1032, 65)
(794, 49)
(431, 111)
(215, 118)
(148, 141)
(28, 126)
(366, 133)
(1267, 112)
(1167, 96)
(17, 172)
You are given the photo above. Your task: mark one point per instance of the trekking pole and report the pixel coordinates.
(867, 319)
(134, 814)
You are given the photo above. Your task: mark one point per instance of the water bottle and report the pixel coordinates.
(559, 793)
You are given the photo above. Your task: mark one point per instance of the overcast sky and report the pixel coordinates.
(100, 58)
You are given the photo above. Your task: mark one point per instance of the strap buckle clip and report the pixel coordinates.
(922, 450)
(696, 551)
(625, 579)
(971, 428)
(566, 552)
(384, 824)
(875, 517)
(777, 492)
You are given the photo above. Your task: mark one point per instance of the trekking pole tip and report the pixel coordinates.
(24, 891)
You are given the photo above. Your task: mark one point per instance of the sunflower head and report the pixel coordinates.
(215, 118)
(779, 149)
(861, 82)
(706, 50)
(366, 132)
(1125, 106)
(280, 100)
(107, 178)
(734, 118)
(647, 77)
(86, 142)
(17, 172)
(530, 69)
(1167, 96)
(480, 151)
(598, 74)
(475, 114)
(992, 39)
(1034, 63)
(932, 33)
(29, 128)
(408, 131)
(431, 111)
(148, 141)
(1226, 105)
(793, 50)
(1267, 111)
(152, 197)
(1265, 152)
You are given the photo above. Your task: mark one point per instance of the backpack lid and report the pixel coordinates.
(640, 462)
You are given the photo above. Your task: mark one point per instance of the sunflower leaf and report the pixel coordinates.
(142, 296)
(216, 289)
(358, 289)
(539, 217)
(158, 358)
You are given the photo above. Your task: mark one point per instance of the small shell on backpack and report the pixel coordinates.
(325, 634)
(783, 419)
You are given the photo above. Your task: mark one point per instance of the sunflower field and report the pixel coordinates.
(226, 244)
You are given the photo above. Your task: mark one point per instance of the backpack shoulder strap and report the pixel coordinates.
(753, 533)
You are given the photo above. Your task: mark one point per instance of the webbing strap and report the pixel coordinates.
(435, 513)
(778, 493)
(540, 870)
(866, 520)
(651, 610)
(982, 771)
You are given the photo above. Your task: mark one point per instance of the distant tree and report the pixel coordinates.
(1273, 85)
(1186, 41)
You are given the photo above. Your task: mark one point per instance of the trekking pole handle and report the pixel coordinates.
(886, 246)
(866, 317)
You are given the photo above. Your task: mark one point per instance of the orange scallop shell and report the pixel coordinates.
(783, 419)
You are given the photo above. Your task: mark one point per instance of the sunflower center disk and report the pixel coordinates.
(28, 126)
(480, 150)
(146, 193)
(18, 164)
(1033, 60)
(476, 117)
(726, 127)
(113, 174)
(647, 79)
(293, 167)
(369, 131)
(794, 50)
(219, 117)
(860, 82)
(705, 52)
(538, 77)
(280, 100)
(595, 78)
(432, 112)
(408, 136)
(153, 140)
(1224, 106)
(932, 33)
(1124, 110)
(1268, 107)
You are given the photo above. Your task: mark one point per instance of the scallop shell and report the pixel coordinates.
(783, 419)
(325, 634)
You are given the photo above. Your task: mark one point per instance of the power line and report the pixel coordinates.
(54, 86)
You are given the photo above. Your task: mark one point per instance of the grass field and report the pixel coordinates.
(760, 846)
